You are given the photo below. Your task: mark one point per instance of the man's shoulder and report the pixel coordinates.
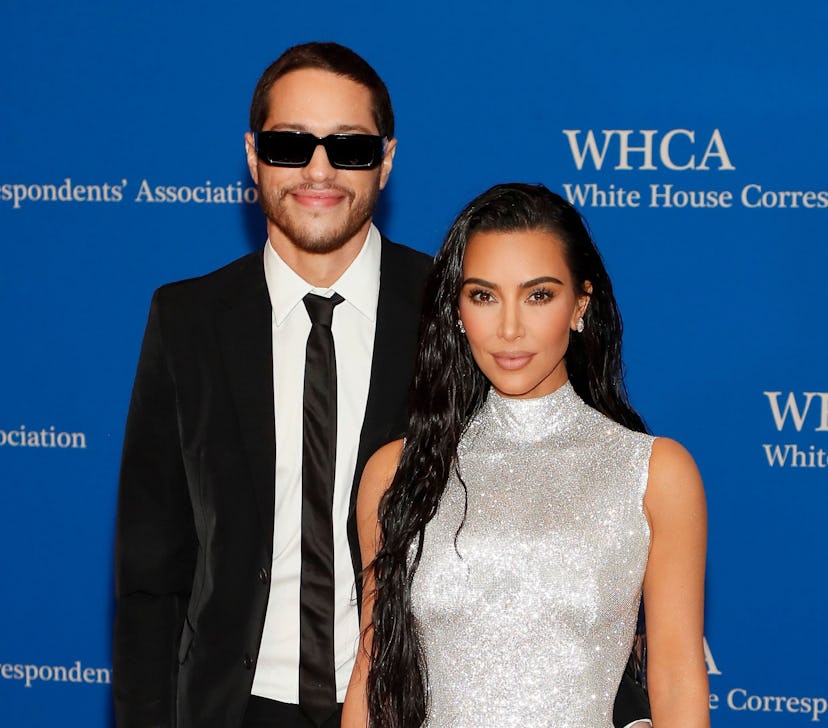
(403, 260)
(405, 252)
(237, 276)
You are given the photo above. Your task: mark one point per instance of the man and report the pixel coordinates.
(236, 599)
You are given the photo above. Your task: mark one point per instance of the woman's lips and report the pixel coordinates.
(512, 359)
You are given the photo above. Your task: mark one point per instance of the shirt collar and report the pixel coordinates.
(358, 285)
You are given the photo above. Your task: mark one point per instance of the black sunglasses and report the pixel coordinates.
(295, 149)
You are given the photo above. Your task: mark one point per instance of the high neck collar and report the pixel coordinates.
(534, 418)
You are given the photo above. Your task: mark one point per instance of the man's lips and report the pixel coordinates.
(512, 359)
(318, 198)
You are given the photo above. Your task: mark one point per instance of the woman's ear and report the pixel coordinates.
(584, 298)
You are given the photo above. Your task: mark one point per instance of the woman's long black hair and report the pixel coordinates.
(448, 389)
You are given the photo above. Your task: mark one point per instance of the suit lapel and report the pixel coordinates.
(391, 359)
(392, 364)
(245, 337)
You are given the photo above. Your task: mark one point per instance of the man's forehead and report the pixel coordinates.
(312, 90)
(311, 97)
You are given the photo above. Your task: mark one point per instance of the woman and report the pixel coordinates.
(508, 539)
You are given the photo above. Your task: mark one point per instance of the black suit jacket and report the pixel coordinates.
(194, 534)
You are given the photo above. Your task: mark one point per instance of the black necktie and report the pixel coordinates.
(317, 679)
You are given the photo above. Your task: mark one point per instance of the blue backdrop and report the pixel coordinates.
(692, 136)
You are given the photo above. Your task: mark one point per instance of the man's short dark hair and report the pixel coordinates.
(326, 57)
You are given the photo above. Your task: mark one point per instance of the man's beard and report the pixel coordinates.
(273, 204)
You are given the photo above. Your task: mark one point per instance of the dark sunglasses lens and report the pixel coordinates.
(354, 151)
(285, 148)
(295, 149)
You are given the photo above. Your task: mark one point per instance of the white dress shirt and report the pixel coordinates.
(353, 327)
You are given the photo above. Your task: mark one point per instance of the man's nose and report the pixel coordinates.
(319, 168)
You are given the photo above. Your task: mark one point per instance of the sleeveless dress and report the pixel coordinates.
(526, 616)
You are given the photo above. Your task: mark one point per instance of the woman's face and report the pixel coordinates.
(518, 303)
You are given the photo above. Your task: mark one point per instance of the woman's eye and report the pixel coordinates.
(481, 296)
(540, 295)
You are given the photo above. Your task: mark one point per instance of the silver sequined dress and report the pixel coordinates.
(531, 623)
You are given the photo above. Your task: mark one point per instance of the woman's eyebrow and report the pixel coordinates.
(542, 279)
(480, 282)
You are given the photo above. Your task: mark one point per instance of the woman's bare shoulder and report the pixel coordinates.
(670, 461)
(674, 480)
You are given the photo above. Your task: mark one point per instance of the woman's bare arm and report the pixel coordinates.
(377, 476)
(674, 589)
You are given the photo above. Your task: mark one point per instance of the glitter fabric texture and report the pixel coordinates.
(529, 620)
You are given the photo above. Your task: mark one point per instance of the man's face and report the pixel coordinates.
(317, 208)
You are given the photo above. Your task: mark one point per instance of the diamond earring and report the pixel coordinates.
(579, 327)
(461, 327)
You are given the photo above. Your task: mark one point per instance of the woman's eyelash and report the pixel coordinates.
(480, 295)
(540, 295)
(484, 295)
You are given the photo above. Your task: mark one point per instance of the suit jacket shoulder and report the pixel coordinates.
(405, 262)
(238, 278)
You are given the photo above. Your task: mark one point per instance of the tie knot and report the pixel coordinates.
(320, 309)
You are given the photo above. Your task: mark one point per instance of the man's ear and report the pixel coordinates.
(387, 162)
(252, 157)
